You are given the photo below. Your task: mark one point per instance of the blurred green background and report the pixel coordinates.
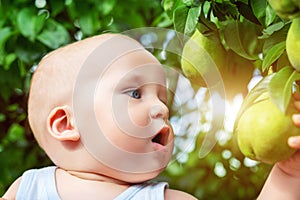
(30, 29)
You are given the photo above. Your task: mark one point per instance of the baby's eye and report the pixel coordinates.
(134, 94)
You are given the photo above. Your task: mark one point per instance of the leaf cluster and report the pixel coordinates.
(250, 28)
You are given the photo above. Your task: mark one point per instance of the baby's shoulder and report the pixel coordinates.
(177, 195)
(12, 191)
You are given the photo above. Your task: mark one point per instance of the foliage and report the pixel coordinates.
(253, 31)
(249, 28)
(29, 29)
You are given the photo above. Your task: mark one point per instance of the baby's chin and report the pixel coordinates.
(130, 177)
(137, 177)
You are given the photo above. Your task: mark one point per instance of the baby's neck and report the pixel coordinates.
(88, 176)
(78, 184)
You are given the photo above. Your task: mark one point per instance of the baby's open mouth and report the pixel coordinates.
(162, 136)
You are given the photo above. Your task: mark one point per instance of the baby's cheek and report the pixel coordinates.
(138, 114)
(139, 117)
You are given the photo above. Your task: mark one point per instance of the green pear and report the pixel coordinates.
(297, 3)
(287, 9)
(204, 53)
(293, 44)
(263, 131)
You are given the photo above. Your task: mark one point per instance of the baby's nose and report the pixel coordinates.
(159, 111)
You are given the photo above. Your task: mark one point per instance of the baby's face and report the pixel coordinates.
(131, 113)
(131, 104)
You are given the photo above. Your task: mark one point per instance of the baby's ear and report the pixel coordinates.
(60, 124)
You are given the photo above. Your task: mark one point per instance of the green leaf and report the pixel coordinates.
(2, 117)
(273, 28)
(56, 7)
(15, 133)
(276, 37)
(171, 5)
(162, 21)
(259, 9)
(270, 16)
(186, 19)
(188, 2)
(27, 51)
(2, 17)
(106, 6)
(206, 24)
(5, 33)
(89, 23)
(54, 35)
(180, 17)
(192, 20)
(273, 54)
(13, 107)
(280, 88)
(245, 10)
(10, 80)
(29, 23)
(223, 10)
(9, 59)
(242, 38)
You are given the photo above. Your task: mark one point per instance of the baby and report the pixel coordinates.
(98, 109)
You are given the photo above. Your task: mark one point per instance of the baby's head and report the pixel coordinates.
(98, 106)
